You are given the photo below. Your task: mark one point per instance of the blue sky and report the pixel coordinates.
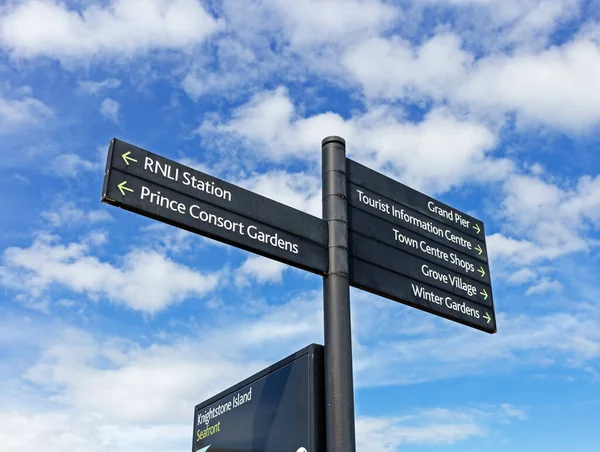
(114, 326)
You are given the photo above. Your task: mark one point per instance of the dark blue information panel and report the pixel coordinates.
(280, 409)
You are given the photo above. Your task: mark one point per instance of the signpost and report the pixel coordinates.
(277, 409)
(376, 234)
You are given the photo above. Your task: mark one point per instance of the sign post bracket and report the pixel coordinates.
(339, 392)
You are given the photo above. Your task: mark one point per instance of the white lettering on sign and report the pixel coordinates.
(433, 274)
(462, 263)
(189, 180)
(447, 278)
(448, 214)
(163, 201)
(439, 211)
(398, 236)
(406, 217)
(272, 239)
(427, 295)
(461, 307)
(154, 166)
(237, 227)
(458, 240)
(375, 203)
(206, 186)
(448, 302)
(220, 222)
(426, 225)
(434, 251)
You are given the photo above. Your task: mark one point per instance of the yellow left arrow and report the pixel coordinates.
(128, 159)
(123, 188)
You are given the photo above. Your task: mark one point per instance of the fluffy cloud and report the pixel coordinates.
(109, 108)
(67, 213)
(379, 138)
(21, 111)
(394, 68)
(121, 27)
(552, 220)
(337, 20)
(93, 87)
(146, 281)
(299, 190)
(71, 165)
(555, 86)
(261, 270)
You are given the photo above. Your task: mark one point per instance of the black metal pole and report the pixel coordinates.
(339, 388)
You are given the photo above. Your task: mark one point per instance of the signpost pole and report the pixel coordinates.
(339, 392)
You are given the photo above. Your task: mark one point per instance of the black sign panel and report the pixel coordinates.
(413, 293)
(364, 199)
(420, 246)
(175, 194)
(391, 189)
(411, 248)
(419, 269)
(280, 409)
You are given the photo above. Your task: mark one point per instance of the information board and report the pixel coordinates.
(279, 409)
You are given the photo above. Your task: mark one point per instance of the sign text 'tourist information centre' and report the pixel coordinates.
(403, 245)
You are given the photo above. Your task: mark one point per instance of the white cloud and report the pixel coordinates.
(500, 24)
(145, 281)
(564, 339)
(379, 138)
(336, 20)
(110, 110)
(552, 220)
(66, 213)
(119, 27)
(435, 427)
(544, 286)
(299, 190)
(556, 86)
(261, 270)
(71, 165)
(93, 87)
(522, 276)
(65, 431)
(21, 111)
(393, 68)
